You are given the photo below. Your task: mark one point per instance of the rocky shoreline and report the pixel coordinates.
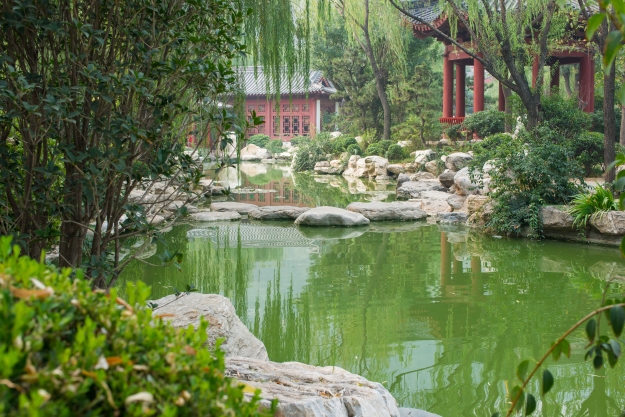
(302, 390)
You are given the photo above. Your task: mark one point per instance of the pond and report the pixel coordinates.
(439, 316)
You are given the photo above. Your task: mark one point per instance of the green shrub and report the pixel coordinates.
(354, 150)
(454, 132)
(66, 350)
(341, 144)
(395, 153)
(275, 146)
(375, 149)
(310, 152)
(564, 116)
(259, 140)
(486, 123)
(587, 206)
(298, 140)
(588, 150)
(529, 171)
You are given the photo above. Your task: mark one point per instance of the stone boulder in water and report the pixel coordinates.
(331, 216)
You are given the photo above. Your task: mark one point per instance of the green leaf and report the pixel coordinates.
(517, 391)
(598, 361)
(593, 24)
(521, 370)
(497, 414)
(616, 348)
(621, 95)
(617, 319)
(591, 330)
(565, 347)
(530, 404)
(612, 47)
(547, 381)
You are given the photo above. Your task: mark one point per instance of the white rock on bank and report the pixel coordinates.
(215, 216)
(556, 218)
(413, 189)
(331, 216)
(241, 208)
(395, 211)
(313, 391)
(611, 223)
(277, 213)
(457, 160)
(424, 156)
(254, 153)
(224, 323)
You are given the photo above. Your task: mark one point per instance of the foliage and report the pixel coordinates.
(454, 132)
(564, 116)
(587, 206)
(275, 146)
(485, 123)
(310, 152)
(259, 140)
(354, 150)
(342, 143)
(526, 173)
(101, 87)
(378, 148)
(395, 153)
(68, 350)
(298, 140)
(588, 150)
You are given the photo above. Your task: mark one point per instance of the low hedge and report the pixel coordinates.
(66, 350)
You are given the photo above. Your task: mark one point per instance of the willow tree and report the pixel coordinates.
(374, 26)
(507, 37)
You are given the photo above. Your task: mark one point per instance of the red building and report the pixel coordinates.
(301, 111)
(455, 62)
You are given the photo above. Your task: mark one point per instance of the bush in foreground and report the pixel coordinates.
(66, 350)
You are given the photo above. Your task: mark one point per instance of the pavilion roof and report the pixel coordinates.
(255, 83)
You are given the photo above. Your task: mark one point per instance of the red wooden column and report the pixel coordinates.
(501, 103)
(478, 86)
(448, 86)
(535, 72)
(460, 90)
(587, 83)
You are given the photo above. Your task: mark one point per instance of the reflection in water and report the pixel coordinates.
(441, 317)
(275, 185)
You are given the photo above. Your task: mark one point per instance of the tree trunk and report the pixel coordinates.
(509, 123)
(622, 133)
(609, 121)
(566, 74)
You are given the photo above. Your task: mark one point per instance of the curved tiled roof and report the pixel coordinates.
(255, 83)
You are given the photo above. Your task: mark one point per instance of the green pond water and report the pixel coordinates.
(439, 316)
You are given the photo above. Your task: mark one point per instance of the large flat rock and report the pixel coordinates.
(611, 223)
(413, 189)
(241, 208)
(277, 212)
(215, 216)
(555, 218)
(218, 310)
(313, 391)
(397, 211)
(331, 216)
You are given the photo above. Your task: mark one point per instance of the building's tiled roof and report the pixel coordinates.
(255, 83)
(428, 10)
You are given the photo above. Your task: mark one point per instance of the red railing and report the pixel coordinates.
(451, 120)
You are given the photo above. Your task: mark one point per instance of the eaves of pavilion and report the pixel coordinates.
(456, 61)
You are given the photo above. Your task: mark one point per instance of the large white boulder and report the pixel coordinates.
(334, 167)
(424, 156)
(432, 206)
(413, 189)
(241, 208)
(379, 211)
(314, 391)
(556, 218)
(379, 164)
(331, 216)
(253, 153)
(187, 310)
(396, 169)
(277, 213)
(457, 160)
(465, 185)
(611, 223)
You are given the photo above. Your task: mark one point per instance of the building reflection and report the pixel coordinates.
(275, 193)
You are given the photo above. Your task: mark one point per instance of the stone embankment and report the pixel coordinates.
(302, 390)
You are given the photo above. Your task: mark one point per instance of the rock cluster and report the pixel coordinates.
(301, 390)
